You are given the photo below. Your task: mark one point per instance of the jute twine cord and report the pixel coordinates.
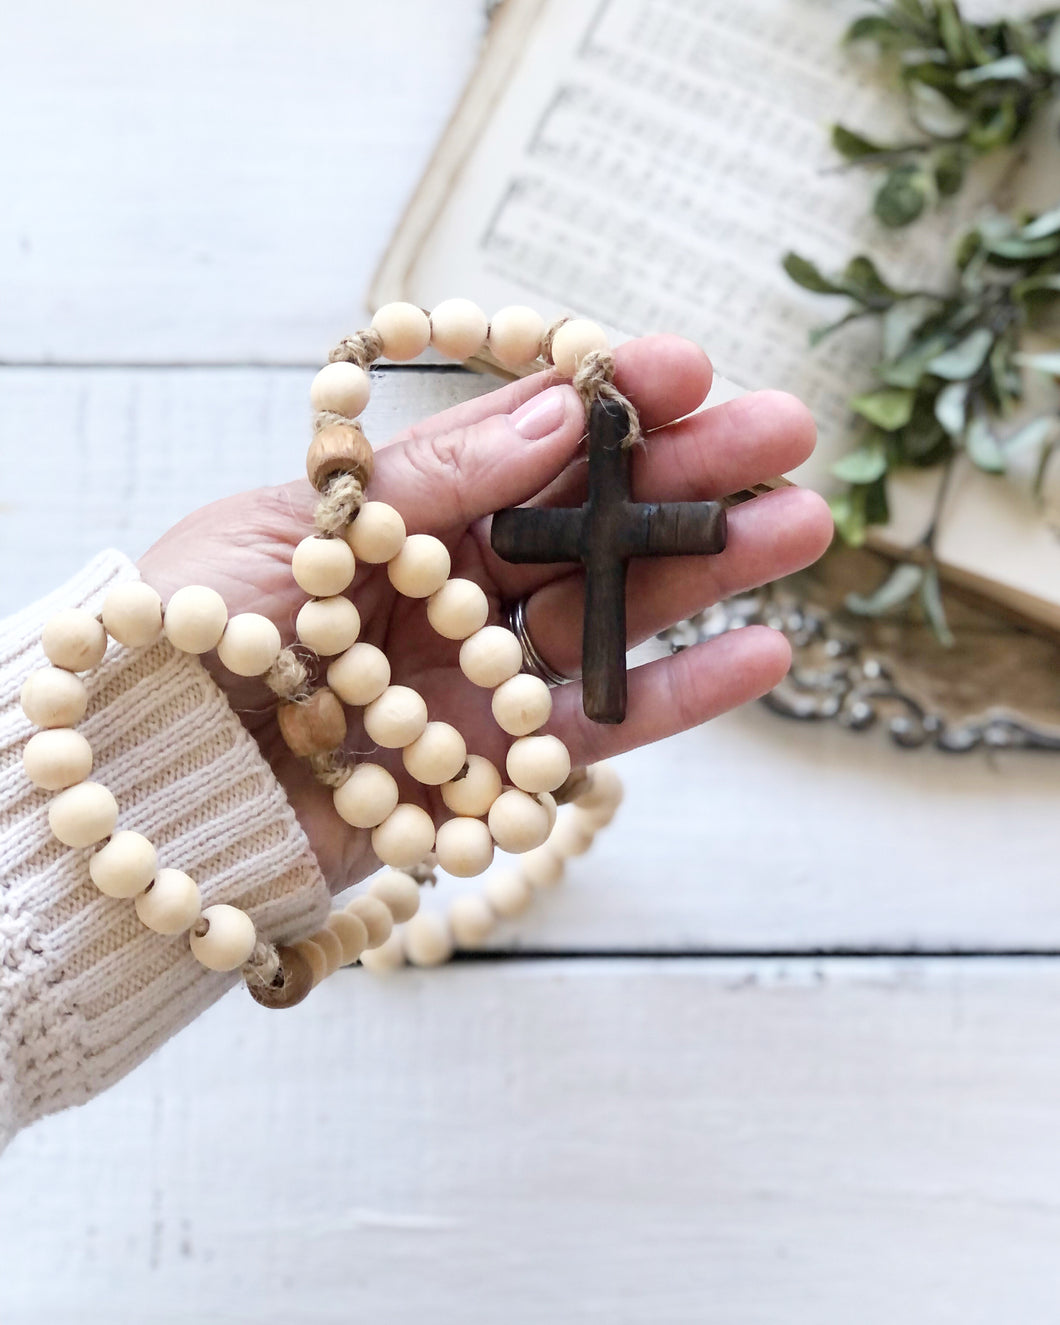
(264, 965)
(331, 769)
(550, 331)
(594, 380)
(362, 348)
(288, 678)
(339, 503)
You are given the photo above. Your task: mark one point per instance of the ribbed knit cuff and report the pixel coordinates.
(86, 992)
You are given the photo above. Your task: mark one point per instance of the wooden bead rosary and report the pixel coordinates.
(522, 817)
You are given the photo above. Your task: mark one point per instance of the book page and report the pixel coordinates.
(647, 163)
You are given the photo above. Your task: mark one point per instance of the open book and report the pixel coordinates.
(647, 163)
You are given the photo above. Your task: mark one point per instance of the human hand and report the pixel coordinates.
(446, 476)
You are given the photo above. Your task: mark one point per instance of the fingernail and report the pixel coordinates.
(541, 415)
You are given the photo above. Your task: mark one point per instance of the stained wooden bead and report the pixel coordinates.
(328, 625)
(57, 758)
(543, 866)
(295, 980)
(339, 448)
(124, 866)
(340, 388)
(522, 704)
(399, 892)
(508, 893)
(323, 566)
(517, 821)
(331, 945)
(421, 567)
(396, 718)
(250, 644)
(573, 341)
(74, 639)
(515, 335)
(312, 726)
(458, 328)
(388, 957)
(427, 940)
(315, 958)
(405, 330)
(367, 796)
(132, 614)
(572, 835)
(54, 697)
(491, 656)
(359, 675)
(436, 755)
(464, 847)
(195, 619)
(471, 920)
(171, 904)
(376, 917)
(404, 837)
(475, 792)
(538, 763)
(376, 533)
(83, 815)
(458, 609)
(229, 939)
(352, 933)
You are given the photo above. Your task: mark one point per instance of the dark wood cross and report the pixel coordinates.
(603, 535)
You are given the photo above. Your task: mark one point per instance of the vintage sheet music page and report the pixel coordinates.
(648, 163)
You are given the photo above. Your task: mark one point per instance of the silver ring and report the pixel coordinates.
(532, 660)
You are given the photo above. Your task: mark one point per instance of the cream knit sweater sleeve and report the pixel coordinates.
(86, 992)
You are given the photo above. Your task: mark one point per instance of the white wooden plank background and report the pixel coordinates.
(728, 1140)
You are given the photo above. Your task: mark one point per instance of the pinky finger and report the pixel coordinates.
(673, 694)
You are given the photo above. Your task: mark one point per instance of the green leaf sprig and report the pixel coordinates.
(969, 88)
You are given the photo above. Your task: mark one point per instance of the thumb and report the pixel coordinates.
(449, 479)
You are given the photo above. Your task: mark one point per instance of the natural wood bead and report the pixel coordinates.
(359, 675)
(491, 656)
(229, 939)
(328, 625)
(604, 789)
(399, 892)
(549, 802)
(515, 335)
(74, 639)
(436, 755)
(367, 796)
(376, 533)
(323, 566)
(471, 920)
(458, 328)
(250, 644)
(339, 448)
(312, 726)
(573, 341)
(522, 704)
(195, 619)
(396, 718)
(427, 940)
(458, 609)
(331, 945)
(538, 763)
(543, 866)
(296, 980)
(54, 697)
(475, 792)
(572, 835)
(340, 388)
(124, 866)
(83, 815)
(132, 614)
(517, 821)
(171, 903)
(314, 956)
(404, 837)
(351, 932)
(508, 893)
(405, 331)
(376, 917)
(464, 847)
(597, 818)
(389, 956)
(57, 758)
(421, 567)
